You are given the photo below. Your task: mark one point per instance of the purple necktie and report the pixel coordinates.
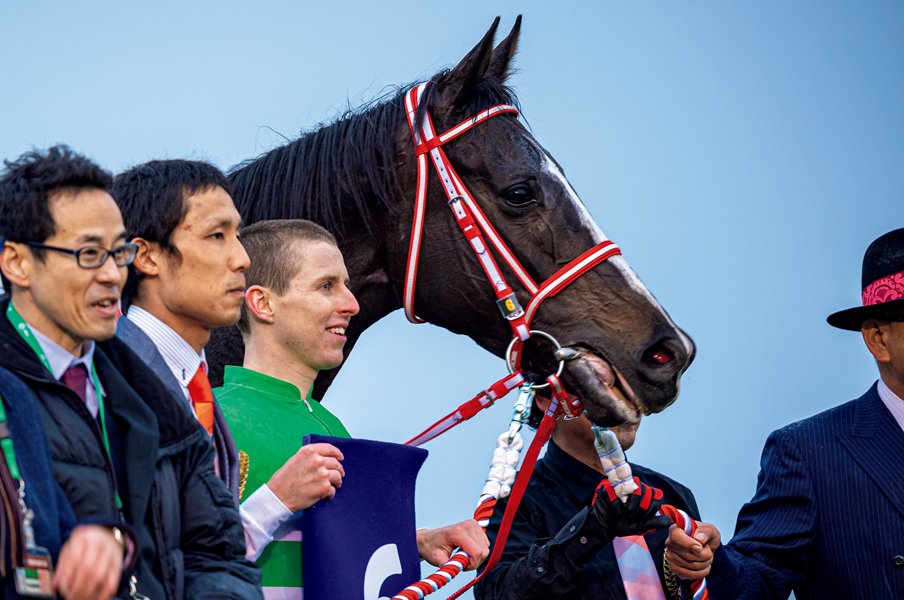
(76, 379)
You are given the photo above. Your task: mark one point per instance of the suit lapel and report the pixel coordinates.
(876, 442)
(144, 347)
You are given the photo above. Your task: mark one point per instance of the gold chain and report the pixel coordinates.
(671, 580)
(243, 472)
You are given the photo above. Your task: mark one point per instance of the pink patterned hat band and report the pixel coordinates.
(884, 290)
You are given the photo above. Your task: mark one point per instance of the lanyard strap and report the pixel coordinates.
(23, 329)
(6, 443)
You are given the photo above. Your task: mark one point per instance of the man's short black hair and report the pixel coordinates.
(27, 184)
(152, 198)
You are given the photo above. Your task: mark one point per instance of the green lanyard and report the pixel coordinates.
(8, 451)
(24, 330)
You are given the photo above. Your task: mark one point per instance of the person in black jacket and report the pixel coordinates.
(91, 560)
(122, 449)
(561, 543)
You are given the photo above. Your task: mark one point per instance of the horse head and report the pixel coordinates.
(358, 176)
(630, 355)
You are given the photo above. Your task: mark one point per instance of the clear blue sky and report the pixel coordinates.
(742, 154)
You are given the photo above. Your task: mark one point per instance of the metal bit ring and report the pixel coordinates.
(542, 334)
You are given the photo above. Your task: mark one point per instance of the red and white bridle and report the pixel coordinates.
(477, 228)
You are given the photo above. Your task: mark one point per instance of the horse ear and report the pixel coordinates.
(504, 53)
(472, 69)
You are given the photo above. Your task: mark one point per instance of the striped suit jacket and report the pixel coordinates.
(143, 346)
(827, 519)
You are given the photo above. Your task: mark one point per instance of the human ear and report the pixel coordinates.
(258, 302)
(874, 337)
(16, 264)
(542, 401)
(147, 259)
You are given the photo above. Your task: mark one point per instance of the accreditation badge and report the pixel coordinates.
(35, 578)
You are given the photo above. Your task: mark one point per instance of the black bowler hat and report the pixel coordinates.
(882, 283)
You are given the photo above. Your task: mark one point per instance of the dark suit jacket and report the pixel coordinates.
(143, 346)
(827, 519)
(186, 523)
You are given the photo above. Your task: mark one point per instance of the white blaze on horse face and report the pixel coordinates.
(551, 168)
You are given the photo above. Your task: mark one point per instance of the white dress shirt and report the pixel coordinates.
(891, 400)
(262, 512)
(178, 354)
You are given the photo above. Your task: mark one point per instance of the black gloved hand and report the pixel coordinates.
(634, 517)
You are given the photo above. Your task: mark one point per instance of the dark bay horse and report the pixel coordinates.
(357, 177)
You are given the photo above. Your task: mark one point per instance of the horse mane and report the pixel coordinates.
(351, 160)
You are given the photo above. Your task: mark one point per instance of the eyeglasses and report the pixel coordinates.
(94, 257)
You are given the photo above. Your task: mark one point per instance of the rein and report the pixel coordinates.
(503, 480)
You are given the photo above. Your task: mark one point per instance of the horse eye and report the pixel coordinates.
(519, 195)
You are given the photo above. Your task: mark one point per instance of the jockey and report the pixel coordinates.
(294, 319)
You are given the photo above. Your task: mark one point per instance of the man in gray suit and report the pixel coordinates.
(188, 277)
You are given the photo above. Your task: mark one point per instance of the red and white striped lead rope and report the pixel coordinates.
(470, 408)
(618, 471)
(498, 485)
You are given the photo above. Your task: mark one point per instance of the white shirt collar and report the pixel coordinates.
(891, 400)
(61, 359)
(178, 354)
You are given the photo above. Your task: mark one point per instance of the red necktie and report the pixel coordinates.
(76, 379)
(202, 399)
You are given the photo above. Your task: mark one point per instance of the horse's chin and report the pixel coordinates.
(606, 395)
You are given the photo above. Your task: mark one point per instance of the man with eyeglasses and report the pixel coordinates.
(122, 451)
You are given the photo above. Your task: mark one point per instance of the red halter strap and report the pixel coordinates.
(476, 227)
(467, 213)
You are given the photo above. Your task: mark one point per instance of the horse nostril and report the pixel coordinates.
(658, 354)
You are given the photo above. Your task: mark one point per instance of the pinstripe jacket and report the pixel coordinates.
(827, 518)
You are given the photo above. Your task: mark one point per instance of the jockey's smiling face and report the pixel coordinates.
(311, 317)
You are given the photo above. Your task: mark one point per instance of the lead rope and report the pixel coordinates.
(498, 485)
(478, 229)
(618, 471)
(502, 480)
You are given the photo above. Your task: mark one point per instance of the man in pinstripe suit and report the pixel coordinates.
(827, 519)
